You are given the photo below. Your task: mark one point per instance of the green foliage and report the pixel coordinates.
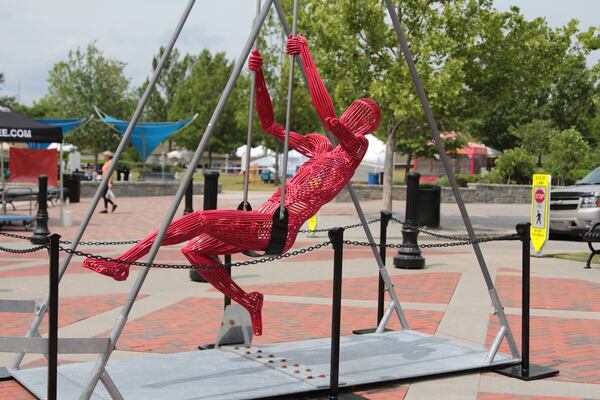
(535, 137)
(175, 71)
(6, 100)
(513, 166)
(87, 79)
(462, 179)
(568, 152)
(199, 93)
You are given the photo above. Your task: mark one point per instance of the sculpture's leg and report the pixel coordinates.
(180, 230)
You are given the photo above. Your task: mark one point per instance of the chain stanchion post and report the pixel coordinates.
(189, 198)
(385, 217)
(41, 232)
(409, 255)
(336, 235)
(53, 317)
(526, 371)
(227, 299)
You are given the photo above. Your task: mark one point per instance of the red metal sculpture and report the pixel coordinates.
(316, 182)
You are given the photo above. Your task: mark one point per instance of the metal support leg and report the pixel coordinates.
(104, 183)
(382, 270)
(237, 69)
(451, 177)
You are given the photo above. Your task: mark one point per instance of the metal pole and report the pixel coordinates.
(382, 270)
(41, 232)
(120, 323)
(3, 180)
(250, 123)
(523, 231)
(525, 370)
(53, 318)
(103, 184)
(227, 299)
(60, 179)
(336, 235)
(385, 215)
(409, 255)
(451, 177)
(189, 198)
(288, 119)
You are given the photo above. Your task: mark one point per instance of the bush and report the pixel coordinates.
(462, 179)
(569, 152)
(514, 166)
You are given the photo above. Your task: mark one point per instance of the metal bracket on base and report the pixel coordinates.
(368, 330)
(533, 373)
(236, 328)
(5, 375)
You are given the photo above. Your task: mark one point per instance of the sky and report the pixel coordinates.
(39, 33)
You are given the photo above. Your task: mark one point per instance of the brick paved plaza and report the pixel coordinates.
(448, 298)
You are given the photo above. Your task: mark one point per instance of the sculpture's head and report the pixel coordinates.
(362, 117)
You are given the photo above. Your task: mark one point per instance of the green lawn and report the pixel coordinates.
(575, 257)
(236, 182)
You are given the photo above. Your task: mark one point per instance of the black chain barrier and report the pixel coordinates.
(369, 222)
(460, 241)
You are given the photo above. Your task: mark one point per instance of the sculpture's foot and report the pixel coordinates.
(254, 305)
(117, 271)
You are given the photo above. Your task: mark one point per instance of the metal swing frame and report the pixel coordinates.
(99, 369)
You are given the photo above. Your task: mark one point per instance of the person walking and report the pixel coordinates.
(108, 196)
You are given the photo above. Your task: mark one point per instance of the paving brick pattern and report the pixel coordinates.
(193, 321)
(551, 293)
(71, 309)
(501, 396)
(423, 288)
(570, 345)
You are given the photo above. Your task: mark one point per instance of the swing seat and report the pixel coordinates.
(279, 234)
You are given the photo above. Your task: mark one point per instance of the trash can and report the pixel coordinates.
(73, 184)
(380, 178)
(373, 178)
(428, 208)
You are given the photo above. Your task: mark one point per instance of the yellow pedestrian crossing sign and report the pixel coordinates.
(540, 200)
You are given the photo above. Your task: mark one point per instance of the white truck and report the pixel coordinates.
(574, 209)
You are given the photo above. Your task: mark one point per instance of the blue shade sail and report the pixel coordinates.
(146, 136)
(65, 124)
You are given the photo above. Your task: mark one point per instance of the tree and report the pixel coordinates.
(87, 79)
(514, 166)
(6, 100)
(174, 73)
(568, 152)
(199, 93)
(535, 137)
(358, 55)
(571, 97)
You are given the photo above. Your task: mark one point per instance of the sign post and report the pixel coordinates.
(540, 211)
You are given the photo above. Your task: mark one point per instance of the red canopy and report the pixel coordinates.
(26, 165)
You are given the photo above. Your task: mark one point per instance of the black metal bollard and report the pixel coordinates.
(53, 318)
(526, 371)
(409, 254)
(189, 198)
(336, 235)
(211, 189)
(41, 232)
